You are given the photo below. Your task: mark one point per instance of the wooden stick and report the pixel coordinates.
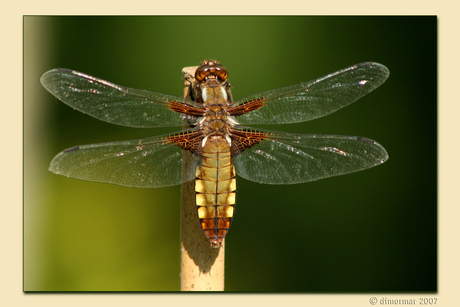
(202, 267)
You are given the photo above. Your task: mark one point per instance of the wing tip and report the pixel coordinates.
(384, 71)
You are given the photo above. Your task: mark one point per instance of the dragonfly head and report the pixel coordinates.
(211, 69)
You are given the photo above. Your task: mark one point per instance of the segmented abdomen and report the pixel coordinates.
(215, 187)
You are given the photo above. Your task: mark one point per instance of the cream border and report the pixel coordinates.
(11, 225)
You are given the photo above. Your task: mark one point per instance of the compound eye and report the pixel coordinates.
(213, 68)
(201, 72)
(221, 72)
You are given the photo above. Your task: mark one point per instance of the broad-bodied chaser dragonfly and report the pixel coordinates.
(220, 146)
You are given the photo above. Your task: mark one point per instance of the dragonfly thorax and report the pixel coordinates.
(214, 97)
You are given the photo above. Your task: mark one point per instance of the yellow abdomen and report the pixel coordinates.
(215, 187)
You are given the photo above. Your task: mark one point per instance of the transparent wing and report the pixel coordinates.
(114, 103)
(148, 163)
(314, 99)
(284, 158)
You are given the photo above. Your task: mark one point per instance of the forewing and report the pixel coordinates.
(148, 163)
(117, 104)
(284, 158)
(310, 100)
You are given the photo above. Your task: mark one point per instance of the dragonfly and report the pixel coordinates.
(215, 136)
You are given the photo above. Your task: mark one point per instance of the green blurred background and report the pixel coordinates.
(371, 231)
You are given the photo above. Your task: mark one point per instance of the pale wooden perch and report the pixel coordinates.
(202, 267)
